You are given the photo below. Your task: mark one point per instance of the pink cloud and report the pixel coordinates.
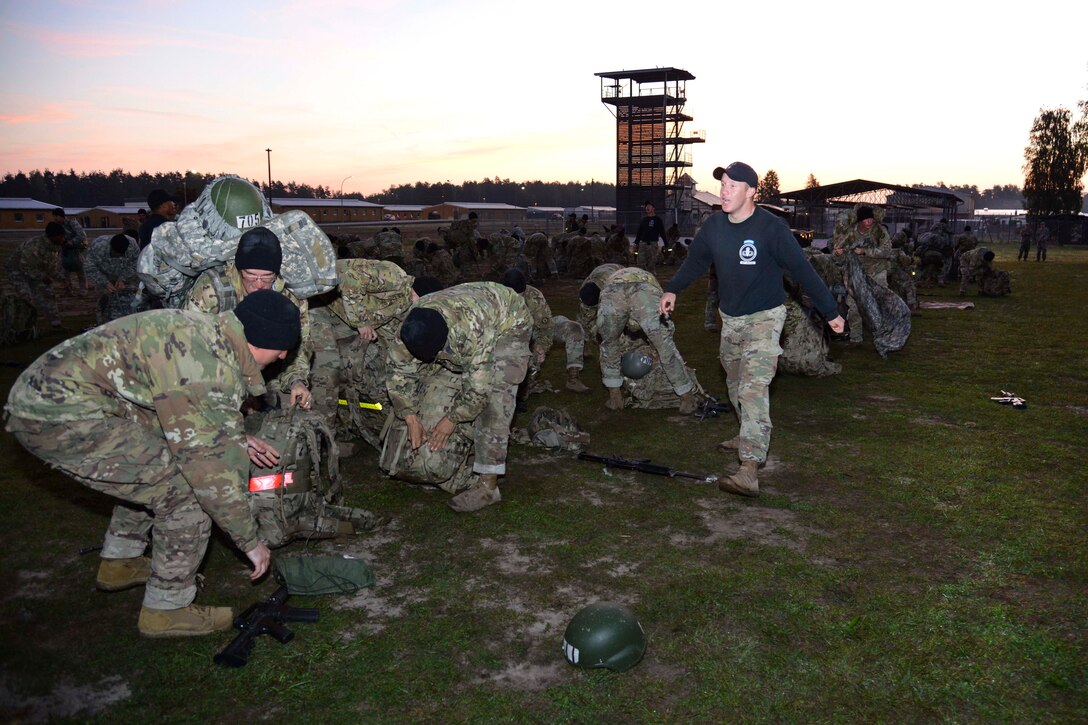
(48, 113)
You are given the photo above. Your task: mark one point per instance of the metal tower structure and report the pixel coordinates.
(651, 148)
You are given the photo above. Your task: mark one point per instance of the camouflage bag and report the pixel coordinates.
(18, 320)
(995, 284)
(309, 258)
(204, 235)
(450, 468)
(552, 428)
(299, 498)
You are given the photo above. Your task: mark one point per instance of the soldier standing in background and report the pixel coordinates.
(147, 409)
(1025, 243)
(650, 229)
(32, 268)
(71, 253)
(111, 267)
(163, 209)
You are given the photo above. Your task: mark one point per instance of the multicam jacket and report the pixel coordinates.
(371, 292)
(543, 325)
(103, 268)
(189, 370)
(220, 290)
(36, 259)
(478, 315)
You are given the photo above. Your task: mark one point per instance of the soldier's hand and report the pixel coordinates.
(667, 303)
(441, 433)
(415, 431)
(859, 250)
(540, 354)
(301, 395)
(837, 325)
(261, 453)
(368, 333)
(261, 557)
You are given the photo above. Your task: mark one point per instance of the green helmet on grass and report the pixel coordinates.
(635, 364)
(238, 202)
(604, 634)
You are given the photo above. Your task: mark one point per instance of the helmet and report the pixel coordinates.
(604, 634)
(238, 202)
(635, 364)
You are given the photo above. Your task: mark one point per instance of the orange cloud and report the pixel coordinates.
(48, 113)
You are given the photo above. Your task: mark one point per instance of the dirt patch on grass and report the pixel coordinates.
(65, 701)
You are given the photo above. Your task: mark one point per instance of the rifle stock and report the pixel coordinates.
(645, 466)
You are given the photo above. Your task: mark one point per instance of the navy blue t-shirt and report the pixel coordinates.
(750, 258)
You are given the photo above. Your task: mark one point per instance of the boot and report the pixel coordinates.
(484, 493)
(732, 444)
(191, 621)
(615, 399)
(689, 403)
(744, 482)
(573, 383)
(115, 575)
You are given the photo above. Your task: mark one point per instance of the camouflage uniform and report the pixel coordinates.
(462, 239)
(875, 259)
(587, 316)
(103, 268)
(540, 341)
(579, 255)
(71, 258)
(750, 344)
(973, 268)
(616, 248)
(146, 409)
(629, 303)
(901, 279)
(573, 337)
(443, 269)
(220, 290)
(390, 247)
(965, 243)
(31, 271)
(1025, 243)
(371, 293)
(488, 349)
(503, 250)
(539, 253)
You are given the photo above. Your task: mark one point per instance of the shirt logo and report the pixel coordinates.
(748, 252)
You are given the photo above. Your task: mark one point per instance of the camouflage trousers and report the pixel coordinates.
(39, 294)
(129, 459)
(749, 353)
(636, 302)
(115, 305)
(647, 256)
(853, 313)
(573, 337)
(491, 429)
(902, 283)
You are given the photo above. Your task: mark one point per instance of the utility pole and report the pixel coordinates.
(269, 152)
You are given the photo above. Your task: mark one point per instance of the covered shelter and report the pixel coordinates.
(816, 208)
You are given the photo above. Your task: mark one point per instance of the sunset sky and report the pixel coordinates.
(398, 91)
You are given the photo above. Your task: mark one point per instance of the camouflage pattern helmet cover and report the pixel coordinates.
(604, 634)
(635, 364)
(238, 202)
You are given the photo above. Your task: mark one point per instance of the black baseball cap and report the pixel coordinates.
(157, 198)
(738, 171)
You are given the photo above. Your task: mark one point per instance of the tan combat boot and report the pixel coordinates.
(689, 403)
(115, 575)
(191, 621)
(615, 399)
(573, 383)
(484, 493)
(744, 482)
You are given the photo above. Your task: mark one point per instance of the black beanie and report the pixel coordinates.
(865, 212)
(424, 285)
(119, 244)
(259, 248)
(424, 333)
(514, 279)
(590, 294)
(270, 320)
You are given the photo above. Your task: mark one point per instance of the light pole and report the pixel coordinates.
(269, 152)
(342, 195)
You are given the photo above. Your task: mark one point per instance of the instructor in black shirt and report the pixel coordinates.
(650, 229)
(750, 248)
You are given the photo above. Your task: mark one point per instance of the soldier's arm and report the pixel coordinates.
(202, 296)
(299, 369)
(402, 382)
(475, 382)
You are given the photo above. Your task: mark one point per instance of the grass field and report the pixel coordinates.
(918, 554)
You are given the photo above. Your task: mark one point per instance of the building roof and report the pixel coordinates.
(403, 207)
(649, 75)
(109, 209)
(707, 197)
(548, 209)
(354, 203)
(862, 191)
(25, 204)
(479, 205)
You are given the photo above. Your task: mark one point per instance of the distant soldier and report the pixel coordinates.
(616, 246)
(538, 251)
(440, 265)
(650, 230)
(1042, 241)
(146, 409)
(256, 266)
(33, 267)
(71, 253)
(390, 246)
(975, 265)
(1025, 242)
(629, 301)
(111, 267)
(480, 331)
(865, 236)
(463, 235)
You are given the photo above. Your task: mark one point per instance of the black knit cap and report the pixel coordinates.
(119, 244)
(424, 333)
(425, 284)
(514, 278)
(590, 294)
(271, 321)
(259, 248)
(865, 212)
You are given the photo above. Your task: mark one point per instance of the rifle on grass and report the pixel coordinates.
(645, 466)
(263, 618)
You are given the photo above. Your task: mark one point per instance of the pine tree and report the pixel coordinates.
(811, 182)
(768, 191)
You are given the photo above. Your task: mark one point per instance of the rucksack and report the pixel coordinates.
(18, 320)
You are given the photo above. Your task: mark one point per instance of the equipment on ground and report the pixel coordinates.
(711, 407)
(645, 466)
(604, 634)
(263, 618)
(1007, 398)
(635, 364)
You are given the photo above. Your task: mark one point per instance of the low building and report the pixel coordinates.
(25, 213)
(401, 212)
(485, 211)
(331, 211)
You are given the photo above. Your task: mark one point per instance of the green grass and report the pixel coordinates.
(918, 554)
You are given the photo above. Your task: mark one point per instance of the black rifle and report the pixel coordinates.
(263, 618)
(645, 466)
(1007, 398)
(711, 407)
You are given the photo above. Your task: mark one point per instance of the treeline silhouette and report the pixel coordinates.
(93, 188)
